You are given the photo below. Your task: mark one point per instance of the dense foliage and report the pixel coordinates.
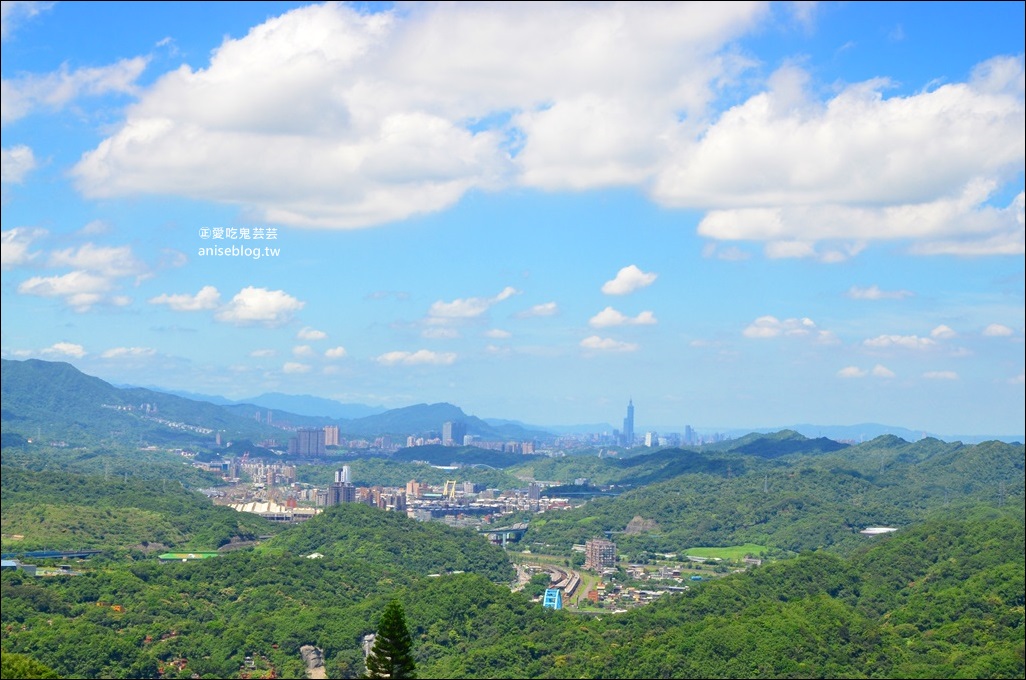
(792, 502)
(67, 511)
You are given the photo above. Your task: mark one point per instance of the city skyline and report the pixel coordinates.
(738, 214)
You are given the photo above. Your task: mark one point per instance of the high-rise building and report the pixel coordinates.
(307, 443)
(453, 433)
(331, 435)
(628, 425)
(599, 553)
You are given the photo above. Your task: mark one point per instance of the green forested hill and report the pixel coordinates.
(794, 502)
(943, 599)
(355, 530)
(68, 511)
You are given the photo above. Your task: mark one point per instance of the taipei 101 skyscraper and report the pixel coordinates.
(628, 425)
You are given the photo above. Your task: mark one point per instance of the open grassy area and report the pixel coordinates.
(734, 552)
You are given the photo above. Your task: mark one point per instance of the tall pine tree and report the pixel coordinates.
(392, 653)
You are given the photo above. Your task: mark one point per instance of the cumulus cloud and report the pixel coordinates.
(996, 330)
(253, 305)
(628, 280)
(940, 375)
(109, 261)
(374, 117)
(15, 163)
(421, 356)
(308, 333)
(497, 334)
(261, 353)
(80, 290)
(467, 308)
(128, 352)
(766, 327)
(15, 244)
(783, 167)
(303, 351)
(913, 342)
(69, 349)
(594, 342)
(611, 317)
(53, 91)
(544, 309)
(295, 367)
(942, 332)
(335, 352)
(208, 297)
(880, 371)
(875, 293)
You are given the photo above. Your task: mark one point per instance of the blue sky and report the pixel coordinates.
(737, 214)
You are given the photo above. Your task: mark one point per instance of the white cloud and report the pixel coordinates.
(335, 352)
(308, 333)
(467, 308)
(410, 108)
(880, 371)
(594, 342)
(996, 330)
(14, 246)
(851, 372)
(261, 353)
(628, 280)
(293, 367)
(302, 351)
(421, 356)
(940, 375)
(13, 13)
(782, 167)
(497, 334)
(913, 342)
(611, 317)
(15, 163)
(208, 297)
(80, 290)
(544, 309)
(772, 327)
(52, 91)
(875, 293)
(129, 352)
(253, 305)
(109, 261)
(66, 349)
(942, 332)
(1018, 379)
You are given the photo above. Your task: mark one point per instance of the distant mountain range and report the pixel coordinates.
(58, 402)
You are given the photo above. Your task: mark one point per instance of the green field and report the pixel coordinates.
(733, 552)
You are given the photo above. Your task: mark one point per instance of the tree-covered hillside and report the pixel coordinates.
(68, 511)
(798, 501)
(943, 599)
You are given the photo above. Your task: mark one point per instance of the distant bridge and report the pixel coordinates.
(505, 534)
